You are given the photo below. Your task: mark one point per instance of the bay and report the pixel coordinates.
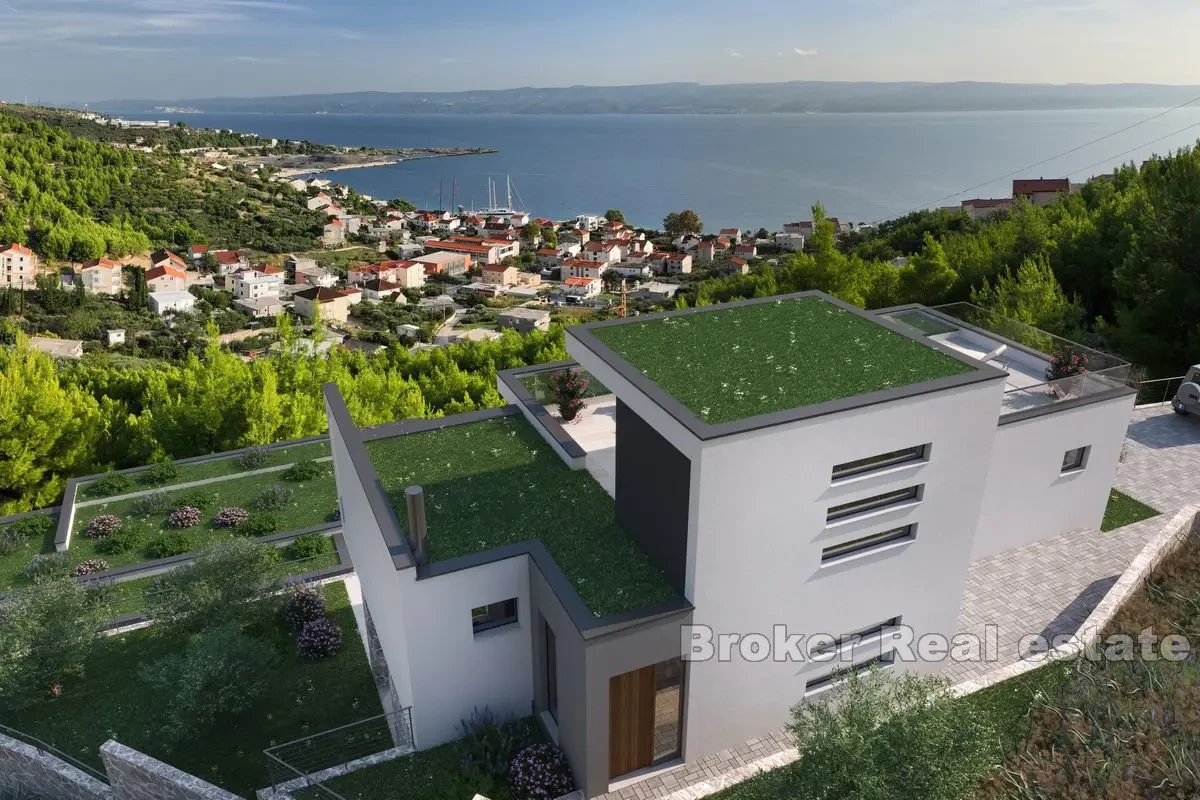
(735, 171)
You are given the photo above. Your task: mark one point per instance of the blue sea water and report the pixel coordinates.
(735, 171)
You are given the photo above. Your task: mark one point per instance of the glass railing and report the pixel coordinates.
(1063, 389)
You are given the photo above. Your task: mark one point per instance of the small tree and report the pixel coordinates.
(678, 223)
(567, 388)
(883, 737)
(218, 586)
(614, 215)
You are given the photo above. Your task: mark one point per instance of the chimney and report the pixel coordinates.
(414, 497)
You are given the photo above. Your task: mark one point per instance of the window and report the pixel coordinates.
(495, 615)
(551, 672)
(838, 675)
(882, 461)
(1075, 459)
(876, 503)
(864, 635)
(905, 533)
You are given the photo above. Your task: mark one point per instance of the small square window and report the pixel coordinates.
(494, 615)
(1076, 459)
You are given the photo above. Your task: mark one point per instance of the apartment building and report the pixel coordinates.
(101, 276)
(18, 267)
(251, 284)
(788, 460)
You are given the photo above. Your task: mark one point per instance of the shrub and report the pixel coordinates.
(184, 517)
(273, 498)
(160, 473)
(89, 567)
(305, 605)
(220, 671)
(102, 525)
(159, 502)
(35, 526)
(254, 458)
(167, 545)
(218, 585)
(111, 484)
(1066, 362)
(230, 517)
(489, 743)
(47, 566)
(320, 638)
(123, 541)
(11, 542)
(261, 525)
(310, 545)
(541, 771)
(303, 471)
(567, 388)
(196, 498)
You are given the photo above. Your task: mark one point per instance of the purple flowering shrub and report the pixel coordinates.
(90, 567)
(230, 517)
(305, 605)
(102, 525)
(184, 517)
(320, 638)
(540, 772)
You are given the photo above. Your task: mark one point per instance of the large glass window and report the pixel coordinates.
(551, 673)
(668, 710)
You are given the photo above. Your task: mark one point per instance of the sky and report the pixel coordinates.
(58, 51)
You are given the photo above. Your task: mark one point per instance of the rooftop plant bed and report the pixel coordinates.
(202, 470)
(747, 360)
(303, 697)
(34, 534)
(1123, 510)
(538, 385)
(496, 482)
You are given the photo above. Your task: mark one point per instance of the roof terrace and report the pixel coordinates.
(495, 482)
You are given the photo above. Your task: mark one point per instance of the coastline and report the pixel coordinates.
(299, 172)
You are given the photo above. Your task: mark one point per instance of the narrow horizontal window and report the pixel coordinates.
(839, 675)
(1075, 459)
(875, 503)
(494, 615)
(905, 533)
(881, 461)
(866, 634)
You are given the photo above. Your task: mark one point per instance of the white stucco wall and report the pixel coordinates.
(452, 669)
(759, 519)
(1027, 498)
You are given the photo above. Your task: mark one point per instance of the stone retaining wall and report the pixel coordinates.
(32, 771)
(137, 776)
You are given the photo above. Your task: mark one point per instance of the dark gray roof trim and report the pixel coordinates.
(1066, 405)
(407, 426)
(704, 431)
(512, 379)
(385, 516)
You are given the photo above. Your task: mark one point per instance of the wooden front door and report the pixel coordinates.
(630, 721)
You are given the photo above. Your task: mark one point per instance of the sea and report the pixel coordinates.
(745, 171)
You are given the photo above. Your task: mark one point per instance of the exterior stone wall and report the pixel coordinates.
(137, 776)
(27, 769)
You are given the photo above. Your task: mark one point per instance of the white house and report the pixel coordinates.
(849, 517)
(582, 288)
(580, 268)
(792, 242)
(250, 284)
(102, 276)
(18, 267)
(163, 303)
(677, 263)
(603, 252)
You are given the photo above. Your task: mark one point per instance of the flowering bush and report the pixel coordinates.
(302, 471)
(305, 605)
(102, 525)
(230, 517)
(254, 458)
(1066, 363)
(184, 517)
(320, 638)
(158, 502)
(90, 567)
(568, 388)
(273, 498)
(167, 545)
(45, 566)
(541, 771)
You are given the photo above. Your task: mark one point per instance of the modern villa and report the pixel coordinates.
(789, 461)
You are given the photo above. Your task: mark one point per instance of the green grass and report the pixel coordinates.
(12, 564)
(744, 361)
(1123, 510)
(432, 774)
(495, 483)
(227, 466)
(303, 698)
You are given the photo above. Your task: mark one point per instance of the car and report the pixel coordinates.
(1187, 399)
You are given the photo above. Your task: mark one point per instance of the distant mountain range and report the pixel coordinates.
(694, 98)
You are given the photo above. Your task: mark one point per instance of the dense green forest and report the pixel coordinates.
(73, 198)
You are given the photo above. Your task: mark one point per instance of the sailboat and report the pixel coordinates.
(493, 200)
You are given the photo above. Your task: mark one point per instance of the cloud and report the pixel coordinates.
(800, 51)
(733, 53)
(256, 59)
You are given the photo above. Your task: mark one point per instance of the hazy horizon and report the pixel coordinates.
(91, 50)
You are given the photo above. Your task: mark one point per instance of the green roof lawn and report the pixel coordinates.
(496, 482)
(744, 361)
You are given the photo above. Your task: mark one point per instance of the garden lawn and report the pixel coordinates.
(1123, 510)
(313, 502)
(224, 466)
(494, 483)
(12, 564)
(303, 698)
(432, 774)
(743, 361)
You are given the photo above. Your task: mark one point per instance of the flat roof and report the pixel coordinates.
(495, 482)
(730, 363)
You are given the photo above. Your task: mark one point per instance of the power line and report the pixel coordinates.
(1044, 161)
(1110, 159)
